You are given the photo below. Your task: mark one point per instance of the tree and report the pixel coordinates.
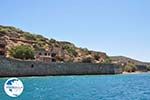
(22, 52)
(107, 60)
(148, 68)
(52, 40)
(130, 68)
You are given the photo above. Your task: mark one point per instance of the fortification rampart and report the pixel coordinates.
(12, 67)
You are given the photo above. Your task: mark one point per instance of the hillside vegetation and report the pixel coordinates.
(15, 37)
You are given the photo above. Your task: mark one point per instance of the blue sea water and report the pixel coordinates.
(97, 87)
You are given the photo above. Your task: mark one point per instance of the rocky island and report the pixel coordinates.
(26, 54)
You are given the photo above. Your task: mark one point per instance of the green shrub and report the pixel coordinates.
(52, 40)
(29, 36)
(148, 68)
(130, 68)
(86, 51)
(22, 52)
(6, 29)
(3, 30)
(40, 38)
(107, 60)
(41, 43)
(70, 50)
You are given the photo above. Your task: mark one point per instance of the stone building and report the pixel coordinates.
(49, 55)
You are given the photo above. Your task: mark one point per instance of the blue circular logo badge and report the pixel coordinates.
(13, 87)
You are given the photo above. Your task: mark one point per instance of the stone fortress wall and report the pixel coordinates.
(19, 68)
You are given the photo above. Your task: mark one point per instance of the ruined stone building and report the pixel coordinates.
(50, 55)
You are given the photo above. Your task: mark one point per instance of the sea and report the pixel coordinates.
(92, 87)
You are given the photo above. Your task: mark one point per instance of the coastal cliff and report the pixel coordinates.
(13, 68)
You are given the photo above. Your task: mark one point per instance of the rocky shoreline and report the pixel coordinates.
(136, 72)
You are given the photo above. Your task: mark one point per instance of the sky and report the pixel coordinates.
(117, 27)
